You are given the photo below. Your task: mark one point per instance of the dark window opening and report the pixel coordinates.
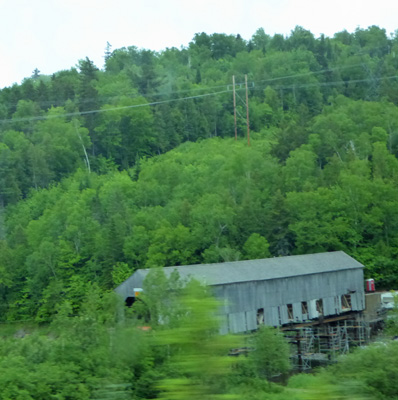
(346, 302)
(290, 311)
(319, 306)
(130, 301)
(304, 307)
(260, 316)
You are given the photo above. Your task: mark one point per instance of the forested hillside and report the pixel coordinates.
(101, 353)
(134, 165)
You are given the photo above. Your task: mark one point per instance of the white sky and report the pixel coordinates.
(52, 35)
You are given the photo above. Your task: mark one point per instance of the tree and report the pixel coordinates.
(256, 247)
(64, 85)
(260, 40)
(278, 42)
(198, 355)
(270, 354)
(124, 132)
(108, 52)
(374, 40)
(88, 94)
(149, 79)
(223, 45)
(300, 171)
(35, 74)
(170, 246)
(392, 319)
(301, 38)
(344, 37)
(10, 191)
(25, 115)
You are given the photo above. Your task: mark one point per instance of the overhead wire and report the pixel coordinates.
(334, 83)
(358, 53)
(168, 93)
(254, 83)
(130, 96)
(227, 90)
(102, 110)
(305, 74)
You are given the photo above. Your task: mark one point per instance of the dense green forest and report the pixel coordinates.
(135, 165)
(105, 352)
(107, 169)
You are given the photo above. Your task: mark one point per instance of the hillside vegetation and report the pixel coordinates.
(135, 165)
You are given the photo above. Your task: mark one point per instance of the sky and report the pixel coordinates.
(53, 35)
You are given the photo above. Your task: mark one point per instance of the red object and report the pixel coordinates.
(370, 285)
(145, 328)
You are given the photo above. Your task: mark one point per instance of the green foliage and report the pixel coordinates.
(158, 303)
(77, 356)
(120, 272)
(256, 247)
(207, 202)
(392, 319)
(270, 354)
(321, 174)
(198, 355)
(169, 186)
(102, 352)
(319, 387)
(371, 369)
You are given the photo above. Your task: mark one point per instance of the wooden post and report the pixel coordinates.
(247, 113)
(236, 129)
(299, 353)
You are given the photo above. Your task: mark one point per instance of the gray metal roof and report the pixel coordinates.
(264, 269)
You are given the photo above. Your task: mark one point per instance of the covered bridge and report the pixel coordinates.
(275, 291)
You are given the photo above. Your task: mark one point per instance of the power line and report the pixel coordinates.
(78, 113)
(131, 96)
(279, 87)
(306, 74)
(85, 100)
(168, 93)
(335, 83)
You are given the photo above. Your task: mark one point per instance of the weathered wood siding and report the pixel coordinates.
(241, 301)
(274, 288)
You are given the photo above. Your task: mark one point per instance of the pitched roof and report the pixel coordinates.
(264, 269)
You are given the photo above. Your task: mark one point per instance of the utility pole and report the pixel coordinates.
(247, 113)
(236, 128)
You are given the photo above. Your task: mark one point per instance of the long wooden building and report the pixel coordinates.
(275, 291)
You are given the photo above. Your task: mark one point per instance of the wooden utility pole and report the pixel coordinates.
(236, 128)
(247, 113)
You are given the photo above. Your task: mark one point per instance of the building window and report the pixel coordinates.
(260, 316)
(319, 306)
(130, 301)
(346, 302)
(290, 312)
(304, 307)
